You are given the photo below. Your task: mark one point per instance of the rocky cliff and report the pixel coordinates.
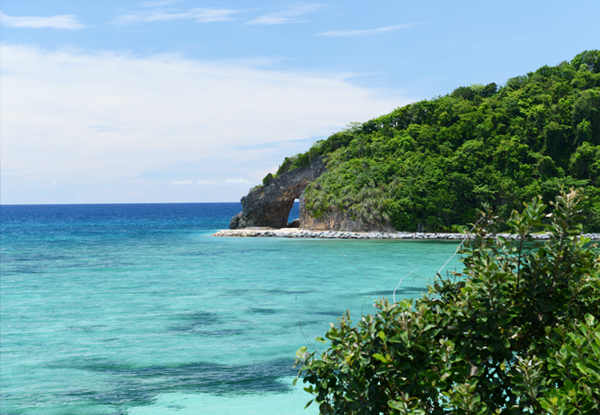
(337, 221)
(270, 205)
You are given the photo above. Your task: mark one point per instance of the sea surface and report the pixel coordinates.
(136, 309)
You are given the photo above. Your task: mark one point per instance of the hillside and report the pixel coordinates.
(436, 161)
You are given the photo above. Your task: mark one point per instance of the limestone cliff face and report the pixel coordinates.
(270, 205)
(337, 221)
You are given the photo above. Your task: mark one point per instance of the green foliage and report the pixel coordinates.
(436, 161)
(268, 179)
(516, 333)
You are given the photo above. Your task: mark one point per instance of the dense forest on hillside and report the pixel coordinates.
(436, 161)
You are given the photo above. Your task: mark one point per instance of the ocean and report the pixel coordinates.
(136, 309)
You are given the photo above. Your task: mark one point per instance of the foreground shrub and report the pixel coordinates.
(516, 333)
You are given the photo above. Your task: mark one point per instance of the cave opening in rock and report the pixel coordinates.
(294, 211)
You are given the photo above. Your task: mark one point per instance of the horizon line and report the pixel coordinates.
(105, 203)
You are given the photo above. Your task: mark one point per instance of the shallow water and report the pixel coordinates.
(135, 309)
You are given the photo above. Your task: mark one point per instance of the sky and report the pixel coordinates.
(117, 101)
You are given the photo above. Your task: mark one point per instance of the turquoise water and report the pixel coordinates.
(135, 309)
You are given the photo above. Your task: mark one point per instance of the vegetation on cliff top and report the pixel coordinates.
(436, 161)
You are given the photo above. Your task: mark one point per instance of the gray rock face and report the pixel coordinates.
(270, 205)
(338, 221)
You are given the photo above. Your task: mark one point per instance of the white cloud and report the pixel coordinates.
(237, 181)
(223, 182)
(61, 21)
(287, 16)
(134, 193)
(181, 182)
(102, 119)
(197, 15)
(368, 32)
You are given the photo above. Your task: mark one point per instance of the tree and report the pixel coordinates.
(516, 333)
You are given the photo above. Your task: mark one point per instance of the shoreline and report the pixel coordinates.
(305, 233)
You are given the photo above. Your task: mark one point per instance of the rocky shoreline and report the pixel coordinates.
(303, 233)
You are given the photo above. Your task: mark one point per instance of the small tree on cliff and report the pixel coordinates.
(518, 333)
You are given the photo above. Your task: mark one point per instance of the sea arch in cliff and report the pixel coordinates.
(270, 205)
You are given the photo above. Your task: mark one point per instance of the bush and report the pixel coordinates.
(516, 333)
(268, 179)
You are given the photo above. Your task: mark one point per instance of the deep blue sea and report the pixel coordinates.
(136, 309)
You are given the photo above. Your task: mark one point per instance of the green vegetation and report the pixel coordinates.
(516, 333)
(436, 161)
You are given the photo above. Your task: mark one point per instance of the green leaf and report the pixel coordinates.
(379, 356)
(300, 353)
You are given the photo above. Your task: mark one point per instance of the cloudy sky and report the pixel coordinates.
(117, 101)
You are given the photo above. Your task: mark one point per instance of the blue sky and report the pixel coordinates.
(195, 101)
